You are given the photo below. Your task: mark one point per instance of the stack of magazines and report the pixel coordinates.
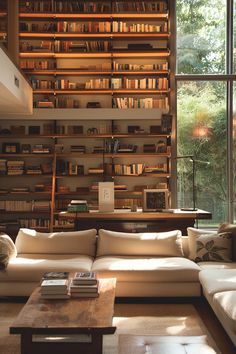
(55, 285)
(84, 284)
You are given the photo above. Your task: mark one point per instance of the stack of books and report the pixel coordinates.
(84, 284)
(78, 206)
(55, 285)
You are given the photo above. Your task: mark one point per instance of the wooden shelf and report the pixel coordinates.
(111, 15)
(69, 55)
(115, 155)
(94, 35)
(93, 72)
(27, 155)
(99, 91)
(80, 136)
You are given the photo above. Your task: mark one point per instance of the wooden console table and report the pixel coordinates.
(127, 221)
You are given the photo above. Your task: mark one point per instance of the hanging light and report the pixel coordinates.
(201, 131)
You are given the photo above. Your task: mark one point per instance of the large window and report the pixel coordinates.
(202, 133)
(205, 124)
(201, 36)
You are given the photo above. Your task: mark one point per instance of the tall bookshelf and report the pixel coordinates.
(103, 54)
(102, 65)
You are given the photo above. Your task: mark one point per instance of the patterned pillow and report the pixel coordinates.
(7, 250)
(212, 248)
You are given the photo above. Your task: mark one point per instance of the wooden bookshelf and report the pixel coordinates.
(132, 23)
(61, 184)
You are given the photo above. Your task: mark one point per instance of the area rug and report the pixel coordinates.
(149, 319)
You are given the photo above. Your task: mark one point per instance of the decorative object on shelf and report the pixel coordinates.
(155, 199)
(106, 198)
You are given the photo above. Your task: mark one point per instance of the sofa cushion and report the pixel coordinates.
(217, 280)
(225, 304)
(147, 269)
(7, 250)
(193, 235)
(226, 227)
(31, 267)
(214, 247)
(217, 265)
(139, 244)
(73, 242)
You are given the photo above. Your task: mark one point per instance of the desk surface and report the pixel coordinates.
(123, 214)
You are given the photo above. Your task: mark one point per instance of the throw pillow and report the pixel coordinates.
(193, 234)
(215, 247)
(7, 250)
(226, 227)
(140, 244)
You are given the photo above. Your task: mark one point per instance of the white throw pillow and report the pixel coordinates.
(208, 245)
(73, 242)
(140, 244)
(7, 250)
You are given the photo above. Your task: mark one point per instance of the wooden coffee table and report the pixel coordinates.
(69, 326)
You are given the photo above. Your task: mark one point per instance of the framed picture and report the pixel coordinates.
(155, 199)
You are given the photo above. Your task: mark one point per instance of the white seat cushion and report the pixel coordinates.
(217, 265)
(30, 267)
(132, 344)
(225, 303)
(217, 280)
(148, 269)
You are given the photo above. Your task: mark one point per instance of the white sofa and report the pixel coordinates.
(145, 265)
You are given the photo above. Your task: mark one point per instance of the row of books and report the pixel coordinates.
(117, 102)
(147, 102)
(76, 6)
(58, 285)
(145, 83)
(101, 84)
(34, 223)
(58, 46)
(92, 27)
(130, 169)
(25, 205)
(31, 64)
(139, 67)
(37, 188)
(124, 27)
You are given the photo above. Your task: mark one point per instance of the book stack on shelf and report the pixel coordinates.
(78, 206)
(55, 285)
(84, 284)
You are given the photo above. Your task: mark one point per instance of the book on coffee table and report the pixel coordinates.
(85, 278)
(55, 275)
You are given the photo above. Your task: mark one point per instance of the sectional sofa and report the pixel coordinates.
(145, 264)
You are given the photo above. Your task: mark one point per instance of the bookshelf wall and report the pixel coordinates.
(102, 54)
(103, 65)
(45, 165)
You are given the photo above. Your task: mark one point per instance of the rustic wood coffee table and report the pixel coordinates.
(69, 326)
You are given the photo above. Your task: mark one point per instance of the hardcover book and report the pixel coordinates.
(85, 278)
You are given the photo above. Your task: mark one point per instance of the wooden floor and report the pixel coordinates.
(143, 307)
(214, 326)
